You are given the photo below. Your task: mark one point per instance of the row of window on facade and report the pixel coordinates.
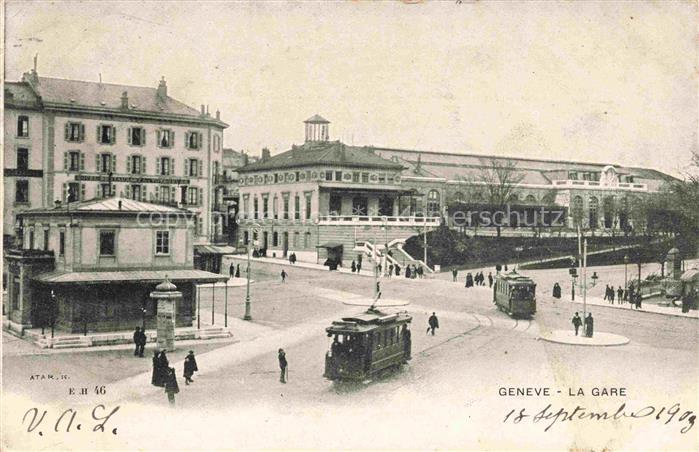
(279, 239)
(107, 242)
(106, 162)
(135, 136)
(593, 176)
(285, 211)
(614, 212)
(324, 175)
(164, 194)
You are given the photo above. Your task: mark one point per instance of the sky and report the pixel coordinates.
(609, 82)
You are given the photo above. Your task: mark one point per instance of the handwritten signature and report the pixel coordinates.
(687, 418)
(67, 419)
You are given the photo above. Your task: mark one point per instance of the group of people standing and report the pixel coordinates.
(588, 323)
(471, 280)
(234, 271)
(164, 375)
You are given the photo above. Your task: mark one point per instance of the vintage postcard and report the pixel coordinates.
(357, 225)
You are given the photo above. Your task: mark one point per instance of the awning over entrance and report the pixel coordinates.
(189, 275)
(330, 245)
(214, 249)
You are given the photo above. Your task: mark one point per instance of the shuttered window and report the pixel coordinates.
(74, 132)
(193, 140)
(106, 134)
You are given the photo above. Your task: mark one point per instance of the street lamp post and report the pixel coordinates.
(626, 271)
(247, 315)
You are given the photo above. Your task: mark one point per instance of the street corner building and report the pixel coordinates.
(91, 265)
(73, 140)
(325, 200)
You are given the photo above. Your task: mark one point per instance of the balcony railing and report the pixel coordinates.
(594, 183)
(356, 220)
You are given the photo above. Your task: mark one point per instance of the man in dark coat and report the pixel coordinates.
(142, 339)
(454, 274)
(556, 290)
(353, 267)
(433, 323)
(157, 379)
(390, 270)
(163, 366)
(589, 325)
(283, 275)
(469, 279)
(407, 271)
(397, 268)
(283, 364)
(577, 321)
(138, 351)
(237, 271)
(190, 366)
(359, 266)
(619, 294)
(490, 279)
(171, 386)
(231, 270)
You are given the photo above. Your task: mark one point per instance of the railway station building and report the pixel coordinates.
(326, 198)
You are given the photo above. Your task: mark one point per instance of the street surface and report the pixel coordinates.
(447, 397)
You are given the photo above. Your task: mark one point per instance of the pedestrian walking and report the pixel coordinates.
(611, 294)
(639, 299)
(577, 321)
(353, 267)
(283, 364)
(556, 290)
(433, 323)
(626, 295)
(469, 279)
(171, 387)
(619, 294)
(390, 270)
(284, 275)
(490, 279)
(407, 271)
(420, 272)
(397, 268)
(163, 365)
(378, 269)
(190, 366)
(231, 270)
(139, 340)
(157, 378)
(454, 274)
(589, 325)
(359, 266)
(606, 292)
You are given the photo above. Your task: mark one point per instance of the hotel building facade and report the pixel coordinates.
(70, 140)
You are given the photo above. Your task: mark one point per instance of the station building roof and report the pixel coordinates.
(324, 153)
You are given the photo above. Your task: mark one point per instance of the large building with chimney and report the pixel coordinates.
(73, 140)
(325, 198)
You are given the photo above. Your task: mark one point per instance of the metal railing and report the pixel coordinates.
(378, 220)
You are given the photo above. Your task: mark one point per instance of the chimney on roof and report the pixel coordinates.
(125, 100)
(207, 110)
(162, 89)
(245, 159)
(265, 154)
(418, 164)
(203, 109)
(218, 115)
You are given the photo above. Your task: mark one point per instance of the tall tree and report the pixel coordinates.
(499, 178)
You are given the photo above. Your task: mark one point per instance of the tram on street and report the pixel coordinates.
(515, 294)
(366, 345)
